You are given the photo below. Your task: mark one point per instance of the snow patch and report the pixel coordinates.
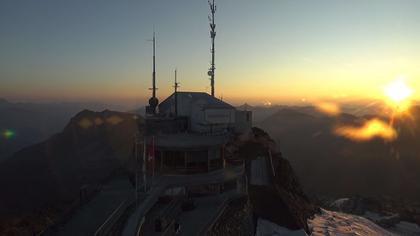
(339, 202)
(406, 229)
(268, 228)
(336, 223)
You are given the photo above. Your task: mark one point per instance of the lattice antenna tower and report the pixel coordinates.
(212, 50)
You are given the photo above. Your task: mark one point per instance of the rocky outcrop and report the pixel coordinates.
(291, 193)
(283, 201)
(384, 211)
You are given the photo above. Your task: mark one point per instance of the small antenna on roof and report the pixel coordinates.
(176, 86)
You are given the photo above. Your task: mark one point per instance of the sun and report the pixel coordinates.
(398, 91)
(398, 94)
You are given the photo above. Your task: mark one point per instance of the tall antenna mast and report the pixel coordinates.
(153, 101)
(154, 66)
(212, 36)
(176, 86)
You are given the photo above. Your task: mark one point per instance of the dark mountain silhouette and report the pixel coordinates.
(3, 101)
(259, 113)
(332, 165)
(139, 111)
(34, 122)
(49, 175)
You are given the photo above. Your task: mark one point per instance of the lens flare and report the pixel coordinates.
(267, 103)
(98, 121)
(371, 129)
(114, 120)
(85, 123)
(8, 134)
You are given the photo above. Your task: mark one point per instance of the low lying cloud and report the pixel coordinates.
(371, 129)
(328, 108)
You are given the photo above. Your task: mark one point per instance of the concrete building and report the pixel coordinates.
(206, 114)
(189, 131)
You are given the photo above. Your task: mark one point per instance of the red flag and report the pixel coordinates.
(151, 155)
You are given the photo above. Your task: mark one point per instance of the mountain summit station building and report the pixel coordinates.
(188, 132)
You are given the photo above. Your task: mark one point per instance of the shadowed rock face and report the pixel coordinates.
(283, 201)
(290, 191)
(50, 174)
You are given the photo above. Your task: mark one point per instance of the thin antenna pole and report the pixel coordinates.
(154, 66)
(212, 36)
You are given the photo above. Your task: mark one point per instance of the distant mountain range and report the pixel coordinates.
(332, 165)
(356, 108)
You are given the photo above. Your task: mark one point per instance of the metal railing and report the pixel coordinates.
(113, 217)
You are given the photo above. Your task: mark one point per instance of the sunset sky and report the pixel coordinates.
(268, 50)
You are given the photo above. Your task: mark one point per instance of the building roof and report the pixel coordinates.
(194, 96)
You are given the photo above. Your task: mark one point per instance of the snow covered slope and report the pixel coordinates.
(267, 228)
(406, 229)
(336, 223)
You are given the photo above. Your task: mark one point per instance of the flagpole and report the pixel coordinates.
(144, 164)
(153, 156)
(136, 167)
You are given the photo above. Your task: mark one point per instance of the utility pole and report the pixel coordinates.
(212, 36)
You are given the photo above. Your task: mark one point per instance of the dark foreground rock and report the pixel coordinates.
(283, 201)
(235, 220)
